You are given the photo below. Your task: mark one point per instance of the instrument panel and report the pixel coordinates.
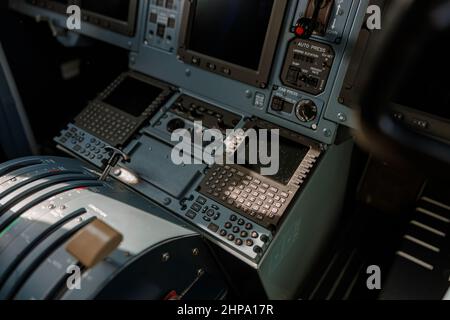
(242, 67)
(242, 70)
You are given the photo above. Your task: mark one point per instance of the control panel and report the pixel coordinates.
(233, 230)
(83, 144)
(307, 66)
(162, 24)
(331, 19)
(225, 65)
(294, 106)
(264, 199)
(123, 107)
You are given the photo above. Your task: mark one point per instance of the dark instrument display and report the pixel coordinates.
(239, 30)
(116, 9)
(123, 108)
(231, 37)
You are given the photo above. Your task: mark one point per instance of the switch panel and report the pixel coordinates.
(324, 16)
(163, 24)
(332, 18)
(287, 104)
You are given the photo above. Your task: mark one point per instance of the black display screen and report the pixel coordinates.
(116, 9)
(291, 155)
(425, 87)
(133, 96)
(230, 30)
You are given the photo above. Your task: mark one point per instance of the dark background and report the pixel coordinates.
(36, 57)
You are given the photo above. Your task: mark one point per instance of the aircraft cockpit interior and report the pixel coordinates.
(224, 150)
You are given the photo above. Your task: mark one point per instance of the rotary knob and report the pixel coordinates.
(306, 110)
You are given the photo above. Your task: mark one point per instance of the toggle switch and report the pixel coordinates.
(316, 19)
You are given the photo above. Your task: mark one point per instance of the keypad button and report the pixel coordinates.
(255, 235)
(213, 227)
(191, 214)
(238, 242)
(236, 230)
(196, 207)
(230, 237)
(233, 218)
(201, 200)
(257, 250)
(223, 233)
(249, 226)
(241, 222)
(228, 225)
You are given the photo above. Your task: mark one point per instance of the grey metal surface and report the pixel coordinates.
(297, 245)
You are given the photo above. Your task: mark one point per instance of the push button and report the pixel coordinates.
(213, 227)
(196, 207)
(191, 214)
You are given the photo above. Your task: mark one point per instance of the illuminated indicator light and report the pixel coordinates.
(299, 31)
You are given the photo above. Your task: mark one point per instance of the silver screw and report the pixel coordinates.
(327, 132)
(342, 117)
(195, 252)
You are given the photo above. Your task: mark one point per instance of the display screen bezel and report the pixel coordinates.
(258, 78)
(51, 5)
(127, 27)
(279, 177)
(313, 147)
